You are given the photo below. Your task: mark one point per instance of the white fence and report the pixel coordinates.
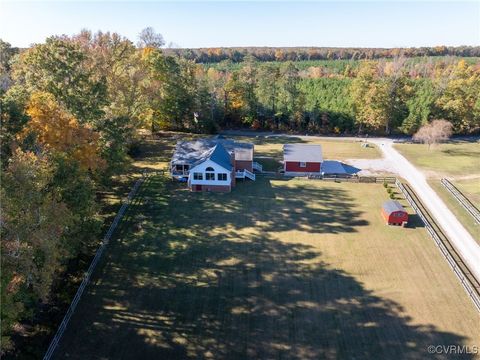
(462, 199)
(91, 269)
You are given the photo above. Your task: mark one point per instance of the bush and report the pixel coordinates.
(389, 190)
(385, 185)
(392, 195)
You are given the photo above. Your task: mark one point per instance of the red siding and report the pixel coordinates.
(392, 219)
(212, 188)
(294, 166)
(244, 164)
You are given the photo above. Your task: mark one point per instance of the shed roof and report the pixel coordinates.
(392, 206)
(338, 168)
(302, 153)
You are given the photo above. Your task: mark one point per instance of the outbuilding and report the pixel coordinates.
(394, 213)
(302, 159)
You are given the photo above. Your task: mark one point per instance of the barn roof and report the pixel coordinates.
(337, 168)
(191, 152)
(302, 153)
(392, 206)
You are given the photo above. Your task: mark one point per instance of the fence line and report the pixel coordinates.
(356, 179)
(86, 278)
(466, 283)
(463, 200)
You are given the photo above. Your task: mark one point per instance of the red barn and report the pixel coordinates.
(394, 213)
(302, 159)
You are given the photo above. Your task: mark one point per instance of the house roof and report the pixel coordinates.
(302, 153)
(392, 206)
(337, 167)
(194, 152)
(220, 156)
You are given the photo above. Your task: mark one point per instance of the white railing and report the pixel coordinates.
(249, 174)
(463, 200)
(257, 166)
(86, 278)
(242, 174)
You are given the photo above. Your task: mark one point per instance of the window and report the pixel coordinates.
(179, 167)
(197, 176)
(222, 177)
(209, 175)
(303, 164)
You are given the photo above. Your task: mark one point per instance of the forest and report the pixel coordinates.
(71, 109)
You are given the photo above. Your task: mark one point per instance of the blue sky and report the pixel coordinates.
(248, 23)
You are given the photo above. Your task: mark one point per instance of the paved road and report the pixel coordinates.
(460, 238)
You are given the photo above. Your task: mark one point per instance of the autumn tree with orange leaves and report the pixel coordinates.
(58, 131)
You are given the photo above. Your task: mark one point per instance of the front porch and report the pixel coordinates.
(179, 170)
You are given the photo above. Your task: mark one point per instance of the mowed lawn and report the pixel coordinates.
(459, 161)
(277, 269)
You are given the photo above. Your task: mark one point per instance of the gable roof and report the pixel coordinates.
(220, 156)
(302, 153)
(194, 152)
(392, 206)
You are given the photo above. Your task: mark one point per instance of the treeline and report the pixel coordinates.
(238, 54)
(70, 109)
(382, 97)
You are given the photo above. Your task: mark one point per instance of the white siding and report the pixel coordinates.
(200, 168)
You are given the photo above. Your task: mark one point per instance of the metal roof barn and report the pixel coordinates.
(392, 206)
(302, 152)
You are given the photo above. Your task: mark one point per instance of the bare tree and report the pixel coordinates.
(434, 132)
(148, 38)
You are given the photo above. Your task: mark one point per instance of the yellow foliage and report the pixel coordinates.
(57, 130)
(146, 51)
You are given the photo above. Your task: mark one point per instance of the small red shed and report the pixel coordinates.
(394, 213)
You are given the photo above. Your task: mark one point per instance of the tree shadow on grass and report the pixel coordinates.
(280, 208)
(172, 288)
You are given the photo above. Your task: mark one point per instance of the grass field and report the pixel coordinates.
(459, 161)
(277, 269)
(453, 159)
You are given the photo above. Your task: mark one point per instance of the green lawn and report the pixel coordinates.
(272, 146)
(459, 161)
(462, 215)
(453, 159)
(279, 268)
(471, 189)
